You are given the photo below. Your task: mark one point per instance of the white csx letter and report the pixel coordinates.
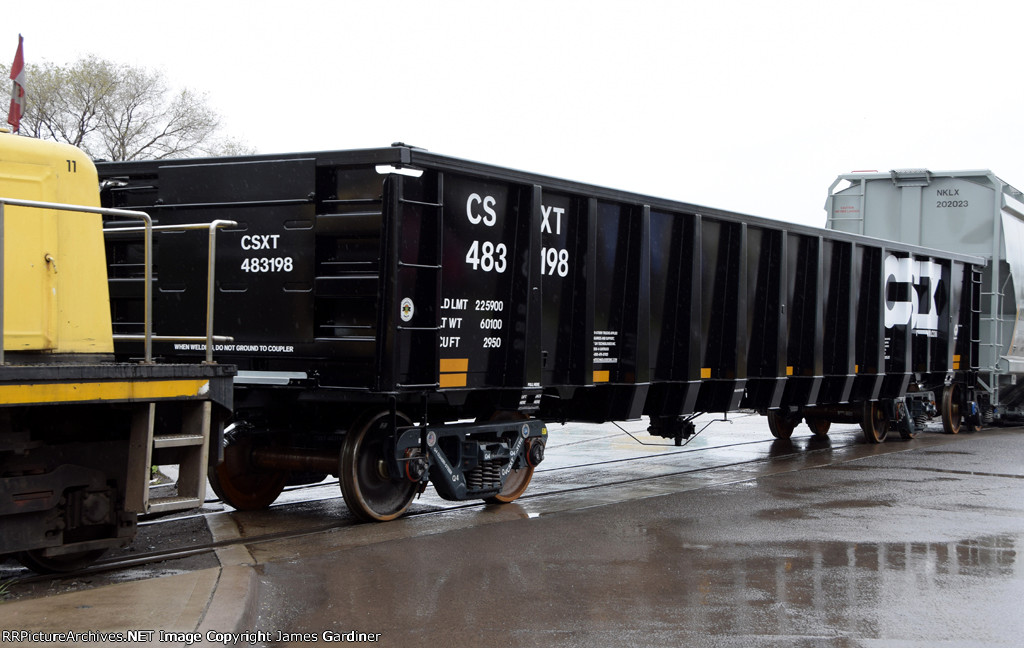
(487, 202)
(900, 312)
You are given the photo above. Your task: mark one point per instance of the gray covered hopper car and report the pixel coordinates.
(973, 212)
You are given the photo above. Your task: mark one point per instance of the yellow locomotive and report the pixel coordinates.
(79, 431)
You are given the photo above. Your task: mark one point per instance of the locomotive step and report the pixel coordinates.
(178, 440)
(166, 504)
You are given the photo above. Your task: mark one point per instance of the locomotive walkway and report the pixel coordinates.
(915, 544)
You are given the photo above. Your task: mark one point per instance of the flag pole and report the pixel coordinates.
(17, 108)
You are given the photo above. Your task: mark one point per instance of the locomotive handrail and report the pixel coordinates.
(212, 226)
(124, 213)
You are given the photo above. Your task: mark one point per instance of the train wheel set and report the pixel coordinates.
(383, 461)
(878, 418)
(372, 491)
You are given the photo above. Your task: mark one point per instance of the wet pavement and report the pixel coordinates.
(915, 548)
(734, 540)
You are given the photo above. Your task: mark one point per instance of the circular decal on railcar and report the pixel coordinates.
(407, 309)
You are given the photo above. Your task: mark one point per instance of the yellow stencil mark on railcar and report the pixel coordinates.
(452, 380)
(602, 376)
(453, 372)
(452, 365)
(100, 391)
(705, 372)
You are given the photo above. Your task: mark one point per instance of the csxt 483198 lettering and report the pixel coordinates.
(399, 316)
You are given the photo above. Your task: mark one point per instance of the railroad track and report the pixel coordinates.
(548, 483)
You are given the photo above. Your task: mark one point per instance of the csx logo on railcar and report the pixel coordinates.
(911, 292)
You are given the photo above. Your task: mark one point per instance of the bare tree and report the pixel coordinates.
(119, 112)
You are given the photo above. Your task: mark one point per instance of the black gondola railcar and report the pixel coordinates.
(400, 316)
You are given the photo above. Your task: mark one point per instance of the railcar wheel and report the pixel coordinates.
(518, 480)
(370, 493)
(780, 425)
(241, 484)
(819, 426)
(952, 420)
(874, 422)
(37, 562)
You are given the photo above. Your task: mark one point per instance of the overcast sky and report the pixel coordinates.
(745, 105)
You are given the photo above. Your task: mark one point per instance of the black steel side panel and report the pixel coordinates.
(488, 287)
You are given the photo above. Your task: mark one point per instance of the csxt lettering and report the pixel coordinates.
(260, 241)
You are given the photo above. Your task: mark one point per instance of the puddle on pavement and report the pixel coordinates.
(866, 590)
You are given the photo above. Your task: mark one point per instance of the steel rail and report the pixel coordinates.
(141, 559)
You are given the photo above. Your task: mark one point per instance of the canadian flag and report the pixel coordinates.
(18, 90)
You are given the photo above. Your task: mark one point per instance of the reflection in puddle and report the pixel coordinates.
(867, 590)
(588, 587)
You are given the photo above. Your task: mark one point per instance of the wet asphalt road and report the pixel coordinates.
(918, 547)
